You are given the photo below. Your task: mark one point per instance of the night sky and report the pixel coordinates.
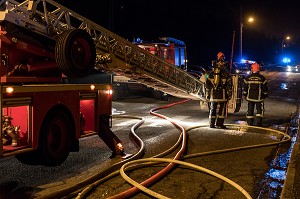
(206, 27)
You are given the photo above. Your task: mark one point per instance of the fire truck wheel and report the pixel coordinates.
(55, 138)
(75, 53)
(29, 158)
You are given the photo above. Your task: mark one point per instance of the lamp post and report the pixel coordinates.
(250, 20)
(282, 43)
(241, 34)
(241, 40)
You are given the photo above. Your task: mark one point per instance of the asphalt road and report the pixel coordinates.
(251, 169)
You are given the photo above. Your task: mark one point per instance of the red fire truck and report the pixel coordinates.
(44, 110)
(169, 49)
(56, 82)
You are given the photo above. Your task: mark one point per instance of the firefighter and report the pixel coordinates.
(218, 91)
(255, 91)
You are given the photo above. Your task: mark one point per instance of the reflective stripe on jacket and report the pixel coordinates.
(255, 87)
(219, 91)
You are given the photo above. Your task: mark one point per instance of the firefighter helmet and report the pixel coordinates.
(220, 54)
(255, 67)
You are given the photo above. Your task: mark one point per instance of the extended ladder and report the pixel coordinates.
(114, 53)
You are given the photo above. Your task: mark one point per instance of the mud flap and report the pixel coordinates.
(109, 138)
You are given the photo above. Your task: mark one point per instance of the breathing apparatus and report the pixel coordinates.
(217, 77)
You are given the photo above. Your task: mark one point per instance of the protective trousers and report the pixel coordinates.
(259, 113)
(215, 119)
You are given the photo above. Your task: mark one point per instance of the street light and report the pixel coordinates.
(250, 20)
(282, 43)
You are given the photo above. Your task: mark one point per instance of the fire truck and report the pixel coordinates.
(56, 80)
(44, 110)
(170, 49)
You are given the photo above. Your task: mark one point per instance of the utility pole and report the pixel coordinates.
(232, 49)
(241, 33)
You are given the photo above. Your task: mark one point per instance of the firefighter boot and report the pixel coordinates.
(212, 122)
(258, 121)
(14, 134)
(250, 121)
(220, 123)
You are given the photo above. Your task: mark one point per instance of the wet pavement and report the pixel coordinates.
(280, 175)
(285, 86)
(282, 180)
(270, 169)
(291, 188)
(94, 154)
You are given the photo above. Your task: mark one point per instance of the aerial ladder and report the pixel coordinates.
(56, 71)
(113, 53)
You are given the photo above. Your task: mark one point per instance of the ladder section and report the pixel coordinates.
(114, 53)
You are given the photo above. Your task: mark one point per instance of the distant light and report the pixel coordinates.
(251, 19)
(245, 61)
(286, 60)
(92, 87)
(138, 40)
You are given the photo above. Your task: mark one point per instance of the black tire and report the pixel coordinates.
(29, 158)
(75, 53)
(55, 139)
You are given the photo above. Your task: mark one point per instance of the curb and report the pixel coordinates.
(292, 175)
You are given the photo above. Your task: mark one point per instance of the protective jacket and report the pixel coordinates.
(218, 92)
(255, 87)
(219, 84)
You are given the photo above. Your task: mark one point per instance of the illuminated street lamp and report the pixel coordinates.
(250, 20)
(282, 43)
